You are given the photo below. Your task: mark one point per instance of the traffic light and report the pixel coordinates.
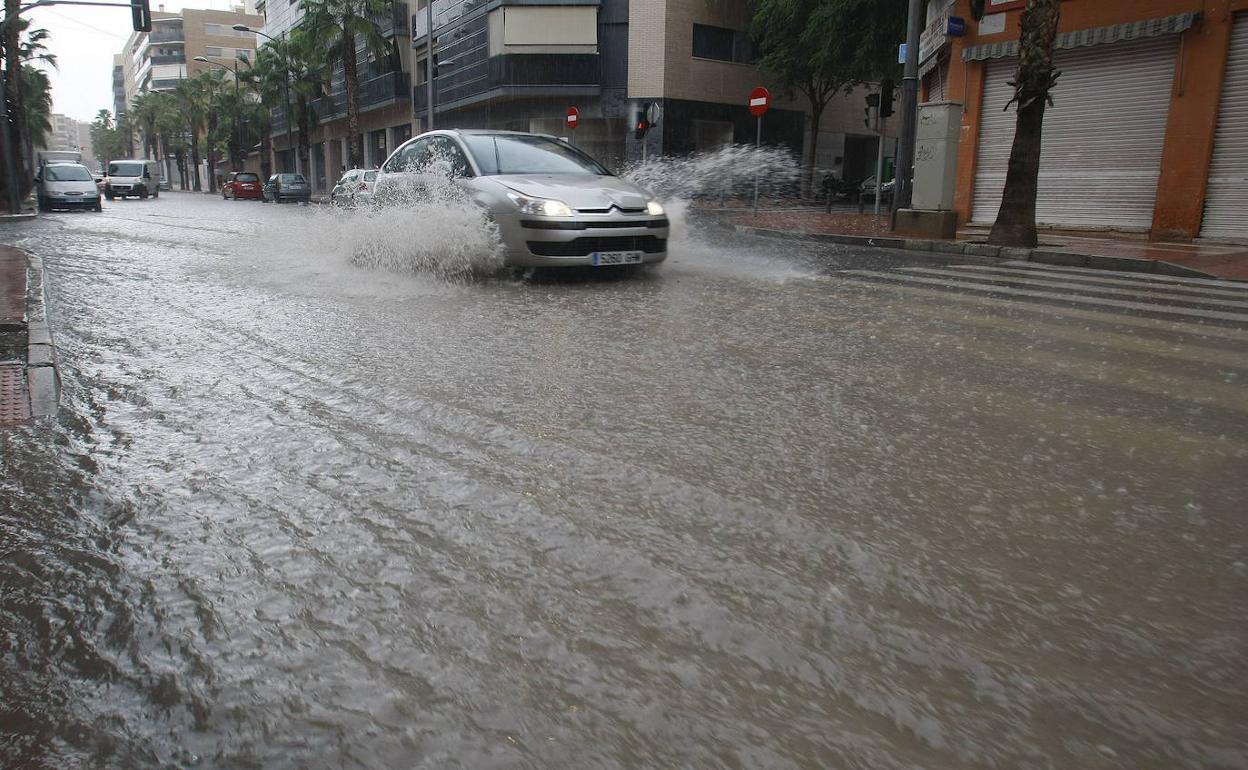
(872, 111)
(141, 15)
(642, 124)
(886, 97)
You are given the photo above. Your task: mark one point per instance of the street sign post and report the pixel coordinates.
(760, 100)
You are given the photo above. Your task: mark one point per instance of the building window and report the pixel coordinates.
(722, 44)
(422, 71)
(215, 52)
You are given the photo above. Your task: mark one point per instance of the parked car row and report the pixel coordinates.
(245, 185)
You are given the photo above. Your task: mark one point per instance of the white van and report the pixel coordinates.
(66, 186)
(132, 177)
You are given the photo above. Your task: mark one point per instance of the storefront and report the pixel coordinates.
(1129, 144)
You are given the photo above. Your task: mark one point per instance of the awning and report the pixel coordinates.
(1085, 38)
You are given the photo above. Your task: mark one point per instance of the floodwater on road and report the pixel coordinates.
(305, 508)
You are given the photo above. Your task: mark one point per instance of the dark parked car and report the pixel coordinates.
(287, 187)
(243, 184)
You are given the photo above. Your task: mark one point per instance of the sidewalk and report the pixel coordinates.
(29, 382)
(1107, 252)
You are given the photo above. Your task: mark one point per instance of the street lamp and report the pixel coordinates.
(290, 142)
(238, 140)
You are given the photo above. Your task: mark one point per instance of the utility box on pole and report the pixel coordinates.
(936, 155)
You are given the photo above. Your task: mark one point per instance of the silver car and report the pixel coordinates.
(355, 188)
(554, 205)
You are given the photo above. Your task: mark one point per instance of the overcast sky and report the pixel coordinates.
(84, 39)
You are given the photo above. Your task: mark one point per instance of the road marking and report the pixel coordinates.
(1129, 343)
(1143, 292)
(1124, 281)
(1212, 315)
(1211, 282)
(1237, 335)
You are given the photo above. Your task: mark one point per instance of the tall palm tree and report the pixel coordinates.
(37, 117)
(189, 93)
(267, 78)
(340, 27)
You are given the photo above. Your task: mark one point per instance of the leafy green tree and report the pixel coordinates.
(1033, 83)
(339, 26)
(822, 47)
(192, 105)
(107, 143)
(267, 79)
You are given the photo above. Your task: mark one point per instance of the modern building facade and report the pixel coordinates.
(384, 102)
(157, 60)
(1149, 130)
(520, 64)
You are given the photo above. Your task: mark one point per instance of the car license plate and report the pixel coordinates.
(616, 257)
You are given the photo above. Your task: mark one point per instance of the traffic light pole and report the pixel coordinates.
(909, 110)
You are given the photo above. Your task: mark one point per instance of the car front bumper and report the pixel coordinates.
(539, 242)
(73, 202)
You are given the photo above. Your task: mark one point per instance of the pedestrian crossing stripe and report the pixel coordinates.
(1212, 315)
(1148, 286)
(1096, 316)
(1153, 277)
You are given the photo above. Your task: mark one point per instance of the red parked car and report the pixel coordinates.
(243, 184)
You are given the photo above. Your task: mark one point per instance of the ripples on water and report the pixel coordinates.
(694, 521)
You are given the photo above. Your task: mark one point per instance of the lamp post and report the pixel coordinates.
(290, 142)
(238, 141)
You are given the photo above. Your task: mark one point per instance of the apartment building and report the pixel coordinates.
(520, 64)
(384, 99)
(157, 60)
(1149, 130)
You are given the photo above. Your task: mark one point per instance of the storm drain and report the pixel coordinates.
(14, 405)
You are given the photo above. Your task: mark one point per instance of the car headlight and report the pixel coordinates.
(541, 207)
(654, 209)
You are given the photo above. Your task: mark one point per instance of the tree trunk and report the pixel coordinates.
(816, 114)
(212, 157)
(266, 152)
(13, 88)
(1016, 222)
(196, 183)
(352, 78)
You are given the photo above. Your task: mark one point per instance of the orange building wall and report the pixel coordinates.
(1193, 108)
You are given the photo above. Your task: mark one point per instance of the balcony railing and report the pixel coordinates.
(166, 36)
(395, 22)
(374, 91)
(172, 59)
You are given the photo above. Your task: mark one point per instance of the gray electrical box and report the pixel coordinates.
(936, 155)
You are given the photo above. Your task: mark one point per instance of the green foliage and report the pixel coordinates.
(819, 47)
(108, 141)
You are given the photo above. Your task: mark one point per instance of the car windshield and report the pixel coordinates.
(247, 178)
(526, 154)
(370, 176)
(289, 178)
(68, 174)
(125, 169)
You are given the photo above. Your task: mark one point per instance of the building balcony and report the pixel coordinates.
(374, 92)
(511, 75)
(166, 36)
(394, 23)
(172, 59)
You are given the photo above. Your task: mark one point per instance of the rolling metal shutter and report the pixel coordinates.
(1101, 156)
(1226, 201)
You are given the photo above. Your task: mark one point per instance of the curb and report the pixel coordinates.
(25, 217)
(43, 375)
(990, 253)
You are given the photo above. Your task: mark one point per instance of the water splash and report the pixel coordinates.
(727, 173)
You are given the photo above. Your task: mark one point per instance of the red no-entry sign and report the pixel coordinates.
(574, 117)
(760, 100)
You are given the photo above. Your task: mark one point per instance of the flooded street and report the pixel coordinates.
(306, 508)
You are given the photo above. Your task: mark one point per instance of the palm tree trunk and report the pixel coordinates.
(197, 186)
(352, 78)
(1016, 222)
(266, 150)
(13, 89)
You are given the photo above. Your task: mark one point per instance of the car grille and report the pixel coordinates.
(532, 224)
(583, 247)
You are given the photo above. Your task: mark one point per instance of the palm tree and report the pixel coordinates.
(37, 117)
(267, 77)
(189, 93)
(1016, 222)
(339, 25)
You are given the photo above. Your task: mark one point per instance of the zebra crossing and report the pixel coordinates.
(1178, 339)
(1072, 291)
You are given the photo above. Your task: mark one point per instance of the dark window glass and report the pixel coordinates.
(722, 44)
(69, 174)
(247, 178)
(442, 148)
